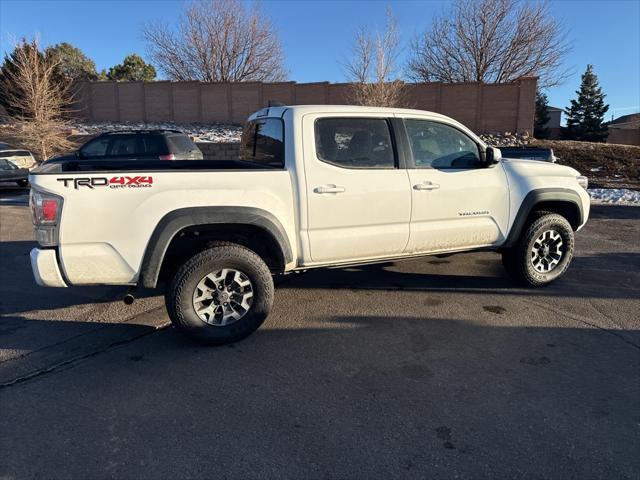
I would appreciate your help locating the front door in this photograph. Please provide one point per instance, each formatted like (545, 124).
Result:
(358, 200)
(458, 202)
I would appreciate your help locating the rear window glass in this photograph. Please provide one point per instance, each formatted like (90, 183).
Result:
(154, 145)
(263, 142)
(180, 144)
(7, 165)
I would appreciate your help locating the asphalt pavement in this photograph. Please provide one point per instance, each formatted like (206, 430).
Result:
(429, 368)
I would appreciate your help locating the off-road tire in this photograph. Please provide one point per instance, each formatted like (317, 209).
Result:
(517, 259)
(179, 294)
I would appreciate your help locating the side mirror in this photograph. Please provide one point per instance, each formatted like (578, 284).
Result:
(492, 155)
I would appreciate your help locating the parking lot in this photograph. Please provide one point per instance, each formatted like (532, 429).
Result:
(433, 368)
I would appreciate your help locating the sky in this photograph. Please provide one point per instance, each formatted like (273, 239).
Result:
(316, 34)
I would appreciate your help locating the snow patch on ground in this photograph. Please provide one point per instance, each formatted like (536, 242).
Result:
(217, 133)
(619, 196)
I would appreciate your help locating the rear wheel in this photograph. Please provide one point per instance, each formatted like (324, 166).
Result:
(543, 252)
(220, 295)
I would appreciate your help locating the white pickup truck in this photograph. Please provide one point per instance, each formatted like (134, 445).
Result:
(315, 186)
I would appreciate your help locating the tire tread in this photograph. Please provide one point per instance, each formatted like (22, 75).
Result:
(516, 259)
(218, 252)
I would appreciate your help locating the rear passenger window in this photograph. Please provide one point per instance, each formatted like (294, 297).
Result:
(263, 142)
(95, 148)
(354, 142)
(154, 145)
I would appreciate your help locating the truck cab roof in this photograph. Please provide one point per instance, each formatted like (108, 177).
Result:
(303, 109)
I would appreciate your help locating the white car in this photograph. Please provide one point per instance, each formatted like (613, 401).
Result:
(315, 186)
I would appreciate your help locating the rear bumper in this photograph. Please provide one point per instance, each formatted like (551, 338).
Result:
(45, 268)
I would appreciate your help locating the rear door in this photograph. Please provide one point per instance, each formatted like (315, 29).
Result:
(358, 197)
(458, 201)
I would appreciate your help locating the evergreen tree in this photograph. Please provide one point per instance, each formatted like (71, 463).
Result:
(585, 116)
(132, 69)
(73, 64)
(542, 115)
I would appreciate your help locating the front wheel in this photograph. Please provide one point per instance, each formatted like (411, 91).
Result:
(543, 252)
(220, 295)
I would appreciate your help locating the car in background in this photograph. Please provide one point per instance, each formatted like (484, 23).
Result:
(136, 145)
(20, 158)
(10, 172)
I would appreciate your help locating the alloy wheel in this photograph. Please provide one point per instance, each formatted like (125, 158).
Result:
(547, 251)
(223, 297)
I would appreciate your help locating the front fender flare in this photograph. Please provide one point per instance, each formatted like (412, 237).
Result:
(536, 197)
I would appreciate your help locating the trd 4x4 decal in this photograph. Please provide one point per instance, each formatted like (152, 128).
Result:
(113, 182)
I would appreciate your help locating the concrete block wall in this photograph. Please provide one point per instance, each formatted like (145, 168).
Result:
(624, 136)
(507, 107)
(219, 151)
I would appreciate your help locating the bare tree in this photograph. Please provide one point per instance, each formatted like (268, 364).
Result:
(491, 41)
(372, 67)
(37, 100)
(218, 41)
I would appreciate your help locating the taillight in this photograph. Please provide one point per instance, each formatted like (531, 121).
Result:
(171, 156)
(46, 209)
(50, 210)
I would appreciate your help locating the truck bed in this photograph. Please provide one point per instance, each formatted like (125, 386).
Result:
(111, 209)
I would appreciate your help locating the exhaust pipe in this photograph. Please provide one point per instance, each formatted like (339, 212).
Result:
(128, 299)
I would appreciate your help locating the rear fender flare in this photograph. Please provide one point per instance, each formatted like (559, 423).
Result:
(177, 220)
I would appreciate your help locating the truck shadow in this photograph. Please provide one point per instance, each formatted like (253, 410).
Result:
(606, 275)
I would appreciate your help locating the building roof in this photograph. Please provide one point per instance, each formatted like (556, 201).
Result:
(555, 109)
(624, 120)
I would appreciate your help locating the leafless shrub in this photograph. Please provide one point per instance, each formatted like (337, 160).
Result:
(491, 41)
(218, 41)
(372, 67)
(37, 100)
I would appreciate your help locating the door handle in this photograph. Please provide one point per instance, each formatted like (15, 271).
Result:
(329, 189)
(426, 186)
